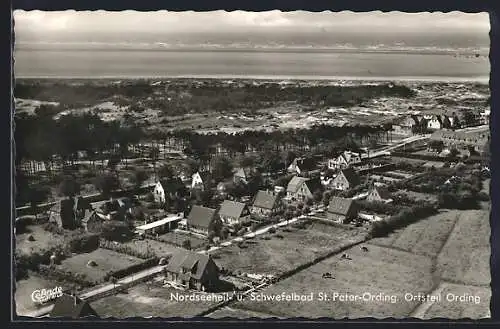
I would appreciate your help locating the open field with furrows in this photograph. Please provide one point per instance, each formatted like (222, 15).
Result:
(475, 303)
(465, 258)
(425, 237)
(236, 313)
(106, 260)
(380, 270)
(160, 249)
(44, 240)
(272, 254)
(149, 300)
(25, 288)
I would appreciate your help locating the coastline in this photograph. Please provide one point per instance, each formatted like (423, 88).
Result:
(438, 79)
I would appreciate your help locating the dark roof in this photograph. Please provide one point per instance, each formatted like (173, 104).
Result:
(314, 184)
(340, 206)
(71, 307)
(80, 203)
(351, 176)
(201, 216)
(172, 185)
(232, 208)
(265, 200)
(195, 263)
(383, 192)
(295, 183)
(206, 176)
(305, 164)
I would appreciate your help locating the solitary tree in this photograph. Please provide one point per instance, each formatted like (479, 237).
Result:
(69, 187)
(38, 194)
(138, 178)
(106, 183)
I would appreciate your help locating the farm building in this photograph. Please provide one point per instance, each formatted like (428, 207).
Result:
(378, 194)
(301, 189)
(200, 219)
(345, 180)
(193, 270)
(160, 226)
(71, 307)
(232, 212)
(342, 210)
(302, 166)
(168, 187)
(267, 204)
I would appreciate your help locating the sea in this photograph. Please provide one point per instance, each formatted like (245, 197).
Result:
(323, 64)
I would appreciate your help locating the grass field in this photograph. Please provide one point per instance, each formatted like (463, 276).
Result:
(24, 289)
(159, 248)
(379, 271)
(43, 240)
(278, 255)
(141, 301)
(478, 306)
(178, 238)
(425, 237)
(107, 260)
(465, 258)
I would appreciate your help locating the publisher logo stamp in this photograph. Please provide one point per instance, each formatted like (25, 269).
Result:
(45, 295)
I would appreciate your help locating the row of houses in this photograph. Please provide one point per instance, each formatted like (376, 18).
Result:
(420, 123)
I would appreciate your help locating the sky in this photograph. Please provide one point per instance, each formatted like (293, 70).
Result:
(38, 23)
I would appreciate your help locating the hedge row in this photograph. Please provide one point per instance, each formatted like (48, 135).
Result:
(132, 269)
(61, 275)
(127, 250)
(402, 219)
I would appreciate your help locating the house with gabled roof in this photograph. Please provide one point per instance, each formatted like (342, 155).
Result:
(344, 160)
(73, 307)
(302, 165)
(345, 180)
(243, 175)
(193, 270)
(232, 212)
(173, 187)
(92, 222)
(406, 125)
(342, 210)
(435, 123)
(301, 188)
(200, 219)
(201, 180)
(378, 194)
(267, 203)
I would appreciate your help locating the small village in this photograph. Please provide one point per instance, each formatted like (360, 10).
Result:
(233, 226)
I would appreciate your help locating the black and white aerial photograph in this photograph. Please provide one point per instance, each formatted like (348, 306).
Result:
(237, 165)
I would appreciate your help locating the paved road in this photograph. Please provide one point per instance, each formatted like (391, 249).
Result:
(399, 144)
(103, 289)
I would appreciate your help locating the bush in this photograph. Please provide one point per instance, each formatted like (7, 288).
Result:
(53, 228)
(84, 243)
(272, 230)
